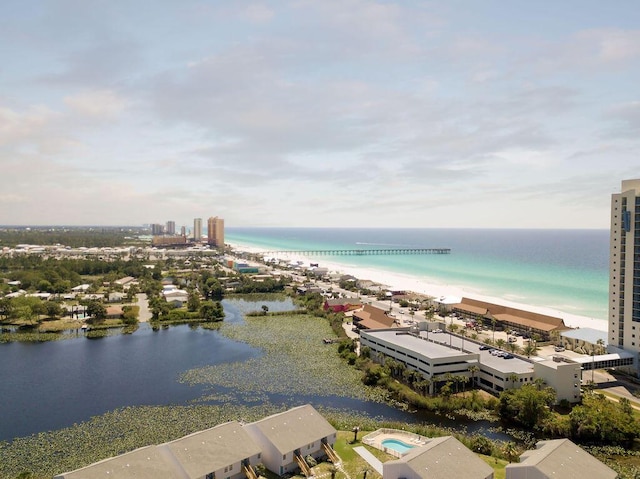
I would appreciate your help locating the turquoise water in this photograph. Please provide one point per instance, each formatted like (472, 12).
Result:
(396, 445)
(566, 270)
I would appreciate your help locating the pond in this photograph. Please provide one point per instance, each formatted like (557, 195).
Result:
(52, 385)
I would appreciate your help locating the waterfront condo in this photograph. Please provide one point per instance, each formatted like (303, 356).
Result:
(624, 269)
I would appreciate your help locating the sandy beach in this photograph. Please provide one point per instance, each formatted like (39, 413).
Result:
(399, 281)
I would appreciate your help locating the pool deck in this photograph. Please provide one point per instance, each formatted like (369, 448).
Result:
(375, 439)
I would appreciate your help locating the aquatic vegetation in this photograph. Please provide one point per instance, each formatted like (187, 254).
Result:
(295, 360)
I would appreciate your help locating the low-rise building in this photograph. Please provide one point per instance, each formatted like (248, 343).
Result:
(440, 458)
(288, 437)
(371, 317)
(224, 451)
(558, 459)
(339, 305)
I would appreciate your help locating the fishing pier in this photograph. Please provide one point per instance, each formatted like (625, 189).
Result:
(362, 252)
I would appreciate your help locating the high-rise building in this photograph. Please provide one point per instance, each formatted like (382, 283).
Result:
(157, 229)
(197, 229)
(183, 231)
(171, 228)
(624, 268)
(215, 232)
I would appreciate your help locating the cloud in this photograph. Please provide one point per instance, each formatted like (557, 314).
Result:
(96, 104)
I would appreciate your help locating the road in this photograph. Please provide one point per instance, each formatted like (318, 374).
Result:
(145, 314)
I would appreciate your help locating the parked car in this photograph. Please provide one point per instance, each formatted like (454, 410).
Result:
(559, 349)
(485, 347)
(507, 356)
(512, 339)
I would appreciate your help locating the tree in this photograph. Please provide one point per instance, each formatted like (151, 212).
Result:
(193, 300)
(527, 406)
(211, 311)
(355, 430)
(96, 310)
(265, 309)
(473, 370)
(511, 451)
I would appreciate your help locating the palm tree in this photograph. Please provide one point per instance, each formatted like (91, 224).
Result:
(600, 343)
(473, 370)
(500, 343)
(355, 430)
(493, 326)
(513, 378)
(463, 333)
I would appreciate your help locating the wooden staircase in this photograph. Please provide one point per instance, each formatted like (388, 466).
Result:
(249, 472)
(331, 454)
(303, 465)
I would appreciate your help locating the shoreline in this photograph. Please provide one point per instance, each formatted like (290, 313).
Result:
(414, 284)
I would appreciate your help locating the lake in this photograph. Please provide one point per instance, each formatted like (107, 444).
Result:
(52, 385)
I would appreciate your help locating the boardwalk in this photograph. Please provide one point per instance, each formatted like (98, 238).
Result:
(362, 252)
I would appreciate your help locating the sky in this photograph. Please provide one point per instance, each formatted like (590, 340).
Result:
(345, 113)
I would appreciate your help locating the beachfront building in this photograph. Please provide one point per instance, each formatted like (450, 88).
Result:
(439, 458)
(505, 317)
(289, 437)
(624, 269)
(215, 232)
(558, 459)
(197, 229)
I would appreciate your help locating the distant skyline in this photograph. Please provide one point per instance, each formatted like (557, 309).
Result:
(346, 113)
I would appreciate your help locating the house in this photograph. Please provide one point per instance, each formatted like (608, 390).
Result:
(440, 458)
(340, 305)
(80, 288)
(558, 459)
(289, 437)
(114, 312)
(124, 281)
(371, 317)
(177, 297)
(115, 297)
(224, 451)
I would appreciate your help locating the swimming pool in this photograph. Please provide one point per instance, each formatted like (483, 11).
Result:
(397, 445)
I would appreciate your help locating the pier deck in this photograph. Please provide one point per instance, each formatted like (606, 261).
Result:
(363, 252)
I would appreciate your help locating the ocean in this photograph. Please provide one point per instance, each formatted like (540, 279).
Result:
(565, 270)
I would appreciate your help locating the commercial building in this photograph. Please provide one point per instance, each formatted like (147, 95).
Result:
(197, 229)
(439, 355)
(624, 270)
(505, 317)
(215, 232)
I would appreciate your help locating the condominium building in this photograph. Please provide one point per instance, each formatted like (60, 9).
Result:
(624, 269)
(215, 232)
(171, 228)
(157, 229)
(197, 229)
